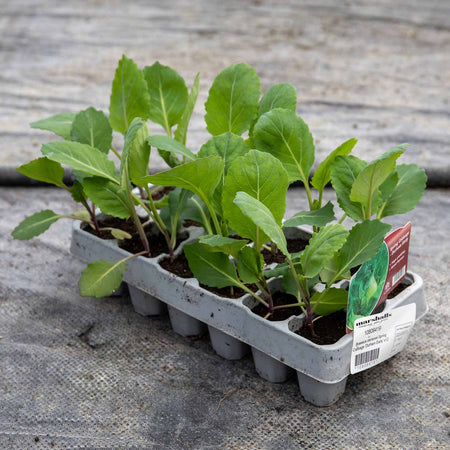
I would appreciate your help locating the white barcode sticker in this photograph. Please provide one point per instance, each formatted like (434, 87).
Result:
(398, 275)
(378, 337)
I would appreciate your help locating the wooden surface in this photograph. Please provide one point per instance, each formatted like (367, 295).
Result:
(377, 71)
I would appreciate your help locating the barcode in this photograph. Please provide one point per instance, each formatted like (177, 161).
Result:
(398, 275)
(366, 357)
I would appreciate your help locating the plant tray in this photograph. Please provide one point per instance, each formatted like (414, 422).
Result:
(234, 330)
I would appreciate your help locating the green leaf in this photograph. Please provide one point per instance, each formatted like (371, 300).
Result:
(411, 185)
(60, 124)
(344, 171)
(316, 217)
(281, 95)
(387, 187)
(168, 95)
(261, 176)
(217, 243)
(284, 135)
(371, 177)
(101, 278)
(200, 176)
(120, 234)
(92, 127)
(279, 270)
(333, 300)
(321, 248)
(233, 100)
(250, 263)
(136, 150)
(323, 173)
(81, 157)
(35, 224)
(77, 192)
(330, 269)
(80, 176)
(42, 169)
(108, 196)
(263, 218)
(228, 146)
(363, 243)
(169, 144)
(212, 269)
(181, 131)
(129, 96)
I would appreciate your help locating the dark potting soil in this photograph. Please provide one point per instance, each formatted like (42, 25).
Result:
(126, 225)
(399, 288)
(156, 242)
(353, 270)
(329, 329)
(190, 223)
(179, 266)
(160, 193)
(279, 298)
(293, 245)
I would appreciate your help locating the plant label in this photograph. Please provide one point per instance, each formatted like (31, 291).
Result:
(378, 337)
(376, 278)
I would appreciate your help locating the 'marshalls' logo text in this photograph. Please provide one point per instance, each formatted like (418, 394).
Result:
(373, 319)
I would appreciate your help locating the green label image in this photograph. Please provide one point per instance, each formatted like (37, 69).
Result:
(366, 286)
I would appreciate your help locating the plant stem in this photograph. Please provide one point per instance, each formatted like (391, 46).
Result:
(249, 291)
(94, 218)
(369, 203)
(205, 219)
(135, 255)
(310, 323)
(320, 198)
(380, 210)
(68, 216)
(136, 219)
(92, 214)
(160, 224)
(273, 248)
(116, 152)
(294, 273)
(212, 214)
(291, 305)
(342, 218)
(308, 194)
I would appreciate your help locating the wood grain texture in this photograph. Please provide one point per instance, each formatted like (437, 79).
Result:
(377, 71)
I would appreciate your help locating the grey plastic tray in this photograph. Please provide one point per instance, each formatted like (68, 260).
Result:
(322, 370)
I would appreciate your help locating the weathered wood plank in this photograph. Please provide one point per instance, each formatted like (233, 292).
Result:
(377, 71)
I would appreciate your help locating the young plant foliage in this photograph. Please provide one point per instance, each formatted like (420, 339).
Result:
(129, 96)
(286, 136)
(233, 100)
(92, 127)
(60, 124)
(35, 224)
(43, 169)
(262, 177)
